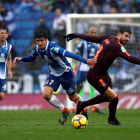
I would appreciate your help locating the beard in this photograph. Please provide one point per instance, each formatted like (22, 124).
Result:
(123, 42)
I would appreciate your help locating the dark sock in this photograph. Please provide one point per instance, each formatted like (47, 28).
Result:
(96, 100)
(113, 107)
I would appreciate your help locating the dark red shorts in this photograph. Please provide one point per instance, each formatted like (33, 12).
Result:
(100, 81)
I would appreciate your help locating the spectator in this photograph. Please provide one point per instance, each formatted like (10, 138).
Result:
(126, 7)
(59, 25)
(44, 27)
(108, 4)
(91, 7)
(76, 7)
(81, 27)
(7, 17)
(137, 6)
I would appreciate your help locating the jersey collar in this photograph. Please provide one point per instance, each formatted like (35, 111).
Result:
(47, 45)
(5, 45)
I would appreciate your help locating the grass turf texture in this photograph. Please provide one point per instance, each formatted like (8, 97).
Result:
(43, 125)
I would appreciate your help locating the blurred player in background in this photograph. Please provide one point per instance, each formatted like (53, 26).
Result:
(61, 71)
(87, 50)
(111, 47)
(5, 59)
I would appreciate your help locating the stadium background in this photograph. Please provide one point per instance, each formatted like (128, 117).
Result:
(24, 90)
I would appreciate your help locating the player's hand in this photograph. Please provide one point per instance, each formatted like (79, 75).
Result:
(17, 59)
(68, 37)
(10, 74)
(91, 62)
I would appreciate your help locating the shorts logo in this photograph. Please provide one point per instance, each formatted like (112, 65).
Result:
(70, 90)
(4, 87)
(102, 83)
(47, 82)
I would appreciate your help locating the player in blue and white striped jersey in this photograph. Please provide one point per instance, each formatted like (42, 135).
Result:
(61, 71)
(87, 50)
(5, 60)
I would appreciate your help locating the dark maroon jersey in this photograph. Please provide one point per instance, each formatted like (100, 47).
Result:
(109, 50)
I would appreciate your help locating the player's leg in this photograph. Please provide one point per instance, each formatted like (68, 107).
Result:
(68, 83)
(79, 86)
(2, 88)
(52, 84)
(112, 96)
(93, 93)
(2, 94)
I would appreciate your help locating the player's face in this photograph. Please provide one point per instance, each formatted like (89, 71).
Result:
(3, 35)
(124, 37)
(93, 32)
(41, 42)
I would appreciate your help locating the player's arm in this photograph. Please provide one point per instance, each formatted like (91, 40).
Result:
(9, 65)
(121, 52)
(96, 39)
(29, 58)
(60, 51)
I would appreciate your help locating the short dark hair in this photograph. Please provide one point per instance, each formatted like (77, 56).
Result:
(3, 28)
(125, 29)
(41, 33)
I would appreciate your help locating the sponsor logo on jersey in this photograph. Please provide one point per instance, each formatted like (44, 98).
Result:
(123, 49)
(2, 57)
(47, 59)
(70, 90)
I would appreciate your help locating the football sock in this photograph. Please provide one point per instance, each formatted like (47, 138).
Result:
(96, 100)
(113, 107)
(56, 102)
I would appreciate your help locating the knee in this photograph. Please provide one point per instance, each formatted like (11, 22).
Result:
(115, 100)
(2, 95)
(46, 95)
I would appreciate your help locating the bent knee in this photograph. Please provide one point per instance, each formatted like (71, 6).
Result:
(46, 96)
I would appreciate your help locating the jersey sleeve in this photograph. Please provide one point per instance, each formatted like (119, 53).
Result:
(121, 52)
(57, 50)
(62, 52)
(80, 47)
(91, 38)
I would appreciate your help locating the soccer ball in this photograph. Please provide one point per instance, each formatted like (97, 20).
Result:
(79, 121)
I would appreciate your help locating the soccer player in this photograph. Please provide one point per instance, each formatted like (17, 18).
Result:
(87, 50)
(5, 59)
(111, 47)
(61, 71)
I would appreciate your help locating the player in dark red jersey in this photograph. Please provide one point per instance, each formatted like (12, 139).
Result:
(111, 47)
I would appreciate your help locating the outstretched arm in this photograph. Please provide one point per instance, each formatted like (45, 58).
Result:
(90, 62)
(96, 39)
(29, 58)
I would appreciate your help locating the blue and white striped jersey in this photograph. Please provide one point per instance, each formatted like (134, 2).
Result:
(54, 56)
(4, 52)
(87, 50)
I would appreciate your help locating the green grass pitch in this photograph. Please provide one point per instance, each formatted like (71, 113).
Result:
(43, 125)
